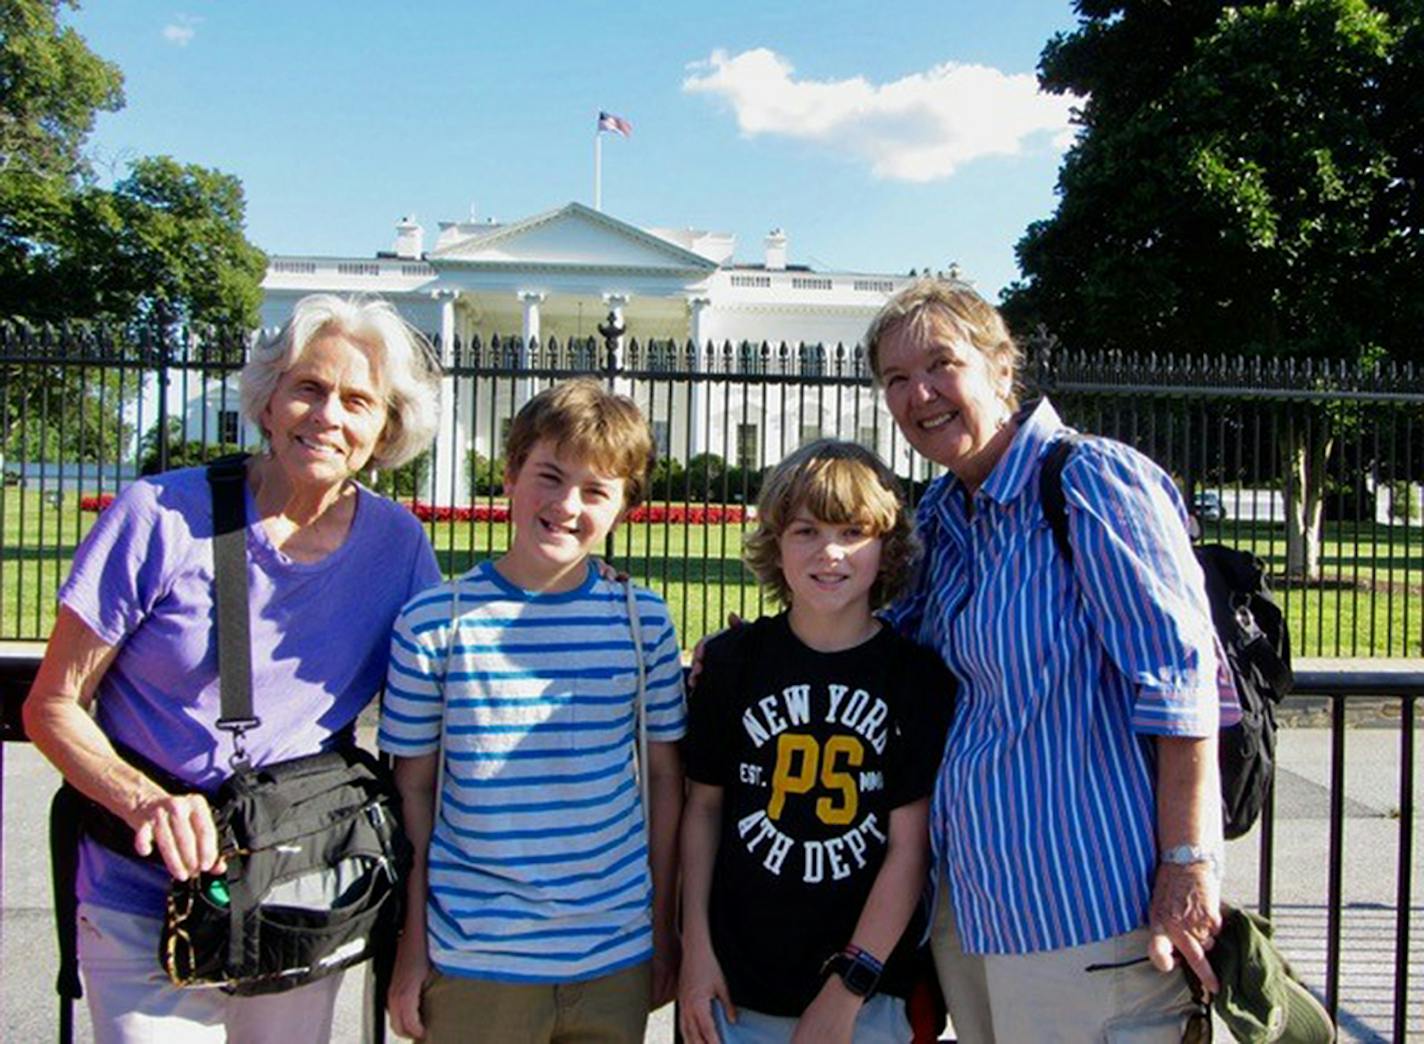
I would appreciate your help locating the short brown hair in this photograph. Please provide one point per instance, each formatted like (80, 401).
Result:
(583, 417)
(836, 482)
(922, 303)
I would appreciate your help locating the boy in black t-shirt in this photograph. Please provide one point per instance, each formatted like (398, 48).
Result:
(813, 742)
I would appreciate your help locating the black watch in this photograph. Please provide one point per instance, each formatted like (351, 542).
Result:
(859, 971)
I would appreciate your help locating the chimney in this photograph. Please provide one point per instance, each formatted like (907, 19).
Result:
(776, 250)
(410, 238)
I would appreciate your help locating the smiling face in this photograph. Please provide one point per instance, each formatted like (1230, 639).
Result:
(562, 507)
(326, 415)
(829, 567)
(946, 397)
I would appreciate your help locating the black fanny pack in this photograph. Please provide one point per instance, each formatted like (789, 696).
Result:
(315, 877)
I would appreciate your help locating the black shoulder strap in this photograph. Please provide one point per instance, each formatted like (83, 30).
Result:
(1050, 490)
(228, 478)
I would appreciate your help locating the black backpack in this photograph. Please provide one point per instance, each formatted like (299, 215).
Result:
(1252, 630)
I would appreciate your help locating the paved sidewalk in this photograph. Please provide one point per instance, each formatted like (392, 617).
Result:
(27, 952)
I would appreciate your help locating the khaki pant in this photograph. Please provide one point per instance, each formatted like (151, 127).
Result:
(1099, 993)
(612, 1009)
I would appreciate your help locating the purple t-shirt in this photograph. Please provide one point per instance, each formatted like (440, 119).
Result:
(143, 581)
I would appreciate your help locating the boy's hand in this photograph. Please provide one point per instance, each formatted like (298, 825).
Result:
(667, 958)
(608, 572)
(830, 1017)
(407, 981)
(733, 620)
(699, 984)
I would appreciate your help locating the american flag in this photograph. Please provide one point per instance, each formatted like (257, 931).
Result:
(617, 124)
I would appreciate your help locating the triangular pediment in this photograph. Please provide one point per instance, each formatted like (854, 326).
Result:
(574, 236)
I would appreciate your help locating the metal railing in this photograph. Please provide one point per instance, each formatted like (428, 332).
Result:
(1248, 441)
(1353, 1004)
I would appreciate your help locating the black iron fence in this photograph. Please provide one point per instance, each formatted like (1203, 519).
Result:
(1316, 467)
(1333, 856)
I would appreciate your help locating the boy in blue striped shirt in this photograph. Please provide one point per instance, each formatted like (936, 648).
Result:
(542, 895)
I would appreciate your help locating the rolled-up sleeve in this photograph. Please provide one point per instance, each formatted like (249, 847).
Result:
(1143, 587)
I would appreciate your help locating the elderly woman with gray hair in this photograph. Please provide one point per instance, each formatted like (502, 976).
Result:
(132, 660)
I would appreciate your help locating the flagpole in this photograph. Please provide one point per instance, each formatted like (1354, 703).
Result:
(598, 170)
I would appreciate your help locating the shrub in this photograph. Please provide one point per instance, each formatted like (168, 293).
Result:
(486, 476)
(404, 482)
(182, 453)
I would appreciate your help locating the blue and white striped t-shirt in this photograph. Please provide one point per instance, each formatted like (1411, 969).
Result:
(1043, 818)
(539, 857)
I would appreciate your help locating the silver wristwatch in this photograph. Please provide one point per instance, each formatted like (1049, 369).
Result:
(1188, 855)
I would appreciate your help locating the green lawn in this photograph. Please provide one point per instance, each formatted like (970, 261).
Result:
(1370, 601)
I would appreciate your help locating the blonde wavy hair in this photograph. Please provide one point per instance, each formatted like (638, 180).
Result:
(922, 305)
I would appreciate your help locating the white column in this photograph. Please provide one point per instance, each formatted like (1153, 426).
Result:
(451, 484)
(697, 397)
(615, 304)
(531, 299)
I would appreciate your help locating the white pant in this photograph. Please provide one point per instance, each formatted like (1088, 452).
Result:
(131, 1000)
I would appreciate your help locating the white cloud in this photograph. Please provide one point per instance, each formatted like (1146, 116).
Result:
(919, 128)
(181, 30)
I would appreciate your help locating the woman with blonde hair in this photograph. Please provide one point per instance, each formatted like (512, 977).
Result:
(1076, 824)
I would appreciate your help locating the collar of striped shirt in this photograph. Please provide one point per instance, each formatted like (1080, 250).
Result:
(1038, 424)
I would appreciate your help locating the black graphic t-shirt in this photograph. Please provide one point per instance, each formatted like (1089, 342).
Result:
(813, 751)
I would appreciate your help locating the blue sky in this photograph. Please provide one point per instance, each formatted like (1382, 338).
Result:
(880, 136)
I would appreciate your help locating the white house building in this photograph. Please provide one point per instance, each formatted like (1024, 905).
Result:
(559, 274)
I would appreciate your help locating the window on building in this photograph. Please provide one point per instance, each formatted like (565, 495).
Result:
(662, 437)
(229, 426)
(747, 446)
(809, 433)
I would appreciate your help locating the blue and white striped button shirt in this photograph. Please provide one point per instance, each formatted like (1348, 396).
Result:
(1043, 817)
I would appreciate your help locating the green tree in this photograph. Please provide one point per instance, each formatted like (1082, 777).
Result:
(1246, 179)
(51, 88)
(162, 248)
(166, 243)
(180, 244)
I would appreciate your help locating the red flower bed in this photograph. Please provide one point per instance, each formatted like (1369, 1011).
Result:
(656, 514)
(677, 514)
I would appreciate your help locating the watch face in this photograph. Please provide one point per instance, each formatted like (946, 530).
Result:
(859, 979)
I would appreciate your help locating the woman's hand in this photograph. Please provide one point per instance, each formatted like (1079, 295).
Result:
(700, 983)
(407, 983)
(830, 1017)
(733, 620)
(1185, 916)
(181, 828)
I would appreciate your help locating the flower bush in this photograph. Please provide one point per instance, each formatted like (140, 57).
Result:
(656, 514)
(673, 514)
